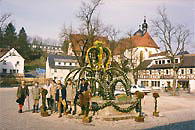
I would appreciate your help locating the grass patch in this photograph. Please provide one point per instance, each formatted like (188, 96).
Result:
(123, 97)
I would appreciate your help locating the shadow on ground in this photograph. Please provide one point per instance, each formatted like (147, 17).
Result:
(187, 125)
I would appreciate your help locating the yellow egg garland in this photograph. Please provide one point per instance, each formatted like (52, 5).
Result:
(99, 51)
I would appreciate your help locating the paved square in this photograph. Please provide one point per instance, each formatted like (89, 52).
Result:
(172, 109)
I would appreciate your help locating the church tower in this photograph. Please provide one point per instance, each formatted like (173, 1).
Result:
(144, 26)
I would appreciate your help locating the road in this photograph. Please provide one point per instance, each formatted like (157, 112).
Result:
(174, 111)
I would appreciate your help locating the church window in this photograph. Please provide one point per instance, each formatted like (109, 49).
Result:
(150, 53)
(141, 56)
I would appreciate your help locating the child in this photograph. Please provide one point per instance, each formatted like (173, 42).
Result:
(36, 96)
(22, 93)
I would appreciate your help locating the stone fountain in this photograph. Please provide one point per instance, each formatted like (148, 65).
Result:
(103, 81)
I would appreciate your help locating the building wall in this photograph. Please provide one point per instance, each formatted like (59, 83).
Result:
(58, 74)
(135, 54)
(192, 85)
(139, 52)
(48, 49)
(12, 62)
(184, 74)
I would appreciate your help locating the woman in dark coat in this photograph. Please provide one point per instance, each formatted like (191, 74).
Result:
(22, 93)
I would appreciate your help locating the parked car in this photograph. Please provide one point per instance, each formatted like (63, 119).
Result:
(140, 88)
(156, 88)
(29, 75)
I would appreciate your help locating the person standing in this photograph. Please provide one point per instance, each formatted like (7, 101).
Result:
(61, 97)
(22, 94)
(36, 96)
(70, 94)
(84, 96)
(47, 86)
(53, 96)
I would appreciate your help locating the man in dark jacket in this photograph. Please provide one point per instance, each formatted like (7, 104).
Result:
(61, 97)
(84, 97)
(22, 93)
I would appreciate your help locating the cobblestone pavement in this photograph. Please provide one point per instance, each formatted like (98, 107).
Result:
(172, 110)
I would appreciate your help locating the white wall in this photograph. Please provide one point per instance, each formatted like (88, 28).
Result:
(192, 86)
(11, 62)
(136, 53)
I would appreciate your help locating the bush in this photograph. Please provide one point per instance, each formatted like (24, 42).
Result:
(38, 63)
(9, 81)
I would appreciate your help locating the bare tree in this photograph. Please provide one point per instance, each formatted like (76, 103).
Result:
(173, 37)
(129, 63)
(3, 19)
(112, 34)
(90, 28)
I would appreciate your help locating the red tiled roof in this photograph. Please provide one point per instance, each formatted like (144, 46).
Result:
(144, 41)
(135, 41)
(77, 40)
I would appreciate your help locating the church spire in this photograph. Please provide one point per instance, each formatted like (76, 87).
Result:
(144, 26)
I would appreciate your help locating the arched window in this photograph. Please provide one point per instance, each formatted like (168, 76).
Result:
(150, 53)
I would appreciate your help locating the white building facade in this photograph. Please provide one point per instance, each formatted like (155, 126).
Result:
(58, 67)
(11, 62)
(49, 48)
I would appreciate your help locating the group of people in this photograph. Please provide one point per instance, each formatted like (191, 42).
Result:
(60, 98)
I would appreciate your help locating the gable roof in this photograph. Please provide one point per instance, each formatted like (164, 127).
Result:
(53, 58)
(144, 64)
(136, 41)
(143, 41)
(12, 52)
(189, 62)
(77, 40)
(3, 51)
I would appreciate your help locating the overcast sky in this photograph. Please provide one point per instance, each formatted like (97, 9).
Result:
(46, 18)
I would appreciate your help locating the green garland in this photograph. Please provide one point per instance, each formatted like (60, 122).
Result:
(124, 110)
(117, 108)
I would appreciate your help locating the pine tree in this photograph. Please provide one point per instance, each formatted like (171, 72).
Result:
(10, 38)
(2, 45)
(23, 48)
